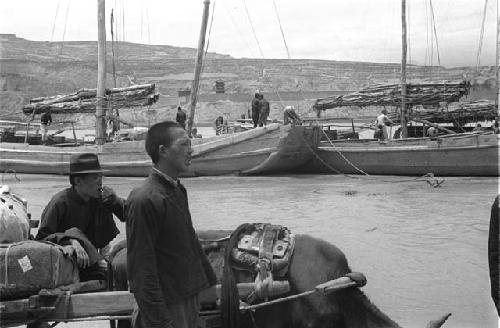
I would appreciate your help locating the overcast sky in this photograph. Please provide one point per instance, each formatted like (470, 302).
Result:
(357, 30)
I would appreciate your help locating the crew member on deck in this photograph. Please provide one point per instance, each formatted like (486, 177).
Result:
(381, 124)
(181, 117)
(46, 121)
(290, 116)
(256, 109)
(264, 110)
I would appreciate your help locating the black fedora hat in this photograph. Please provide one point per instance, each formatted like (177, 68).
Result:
(84, 163)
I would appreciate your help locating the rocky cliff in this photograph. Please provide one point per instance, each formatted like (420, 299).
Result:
(31, 69)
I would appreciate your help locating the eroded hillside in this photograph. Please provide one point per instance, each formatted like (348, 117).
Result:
(32, 69)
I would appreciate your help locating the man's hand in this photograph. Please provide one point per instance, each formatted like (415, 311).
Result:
(82, 258)
(68, 250)
(108, 195)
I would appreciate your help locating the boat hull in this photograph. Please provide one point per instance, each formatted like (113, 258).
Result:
(468, 155)
(272, 149)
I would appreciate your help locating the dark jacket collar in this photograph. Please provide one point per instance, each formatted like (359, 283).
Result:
(164, 178)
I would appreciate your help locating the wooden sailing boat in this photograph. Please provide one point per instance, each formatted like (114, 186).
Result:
(271, 149)
(463, 154)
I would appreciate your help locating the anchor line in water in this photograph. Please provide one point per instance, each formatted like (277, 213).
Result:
(431, 180)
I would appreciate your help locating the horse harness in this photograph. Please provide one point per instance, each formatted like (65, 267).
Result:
(264, 250)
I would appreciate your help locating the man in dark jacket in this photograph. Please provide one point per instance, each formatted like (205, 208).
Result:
(81, 216)
(255, 109)
(181, 117)
(264, 110)
(166, 265)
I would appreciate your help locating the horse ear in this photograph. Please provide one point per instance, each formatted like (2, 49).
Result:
(439, 322)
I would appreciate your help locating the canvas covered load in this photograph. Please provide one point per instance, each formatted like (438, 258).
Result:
(14, 219)
(29, 266)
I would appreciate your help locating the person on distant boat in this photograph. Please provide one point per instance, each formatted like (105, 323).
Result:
(264, 110)
(496, 126)
(166, 265)
(195, 134)
(219, 121)
(113, 125)
(256, 109)
(432, 132)
(181, 117)
(478, 127)
(46, 121)
(290, 116)
(381, 124)
(494, 254)
(81, 217)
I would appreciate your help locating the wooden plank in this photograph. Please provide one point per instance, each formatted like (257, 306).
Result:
(99, 304)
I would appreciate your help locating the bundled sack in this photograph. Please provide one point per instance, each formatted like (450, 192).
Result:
(14, 220)
(29, 266)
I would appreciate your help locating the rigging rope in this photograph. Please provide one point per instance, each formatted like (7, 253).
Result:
(253, 30)
(65, 24)
(242, 37)
(435, 32)
(208, 37)
(54, 24)
(147, 22)
(123, 20)
(481, 34)
(281, 29)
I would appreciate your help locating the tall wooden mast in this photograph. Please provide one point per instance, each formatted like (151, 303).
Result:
(404, 132)
(498, 62)
(197, 70)
(100, 111)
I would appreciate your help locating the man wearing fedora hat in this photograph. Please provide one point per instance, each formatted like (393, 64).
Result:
(81, 216)
(166, 266)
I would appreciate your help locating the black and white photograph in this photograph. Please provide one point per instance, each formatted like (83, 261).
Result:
(249, 164)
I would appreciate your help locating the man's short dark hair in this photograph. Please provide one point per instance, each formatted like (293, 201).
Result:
(159, 134)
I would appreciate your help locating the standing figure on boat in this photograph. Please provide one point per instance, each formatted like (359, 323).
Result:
(496, 126)
(46, 121)
(256, 109)
(478, 127)
(219, 121)
(290, 116)
(494, 254)
(81, 217)
(166, 266)
(432, 132)
(113, 125)
(195, 134)
(381, 124)
(264, 110)
(181, 117)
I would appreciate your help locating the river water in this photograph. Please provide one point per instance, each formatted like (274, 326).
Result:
(422, 249)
